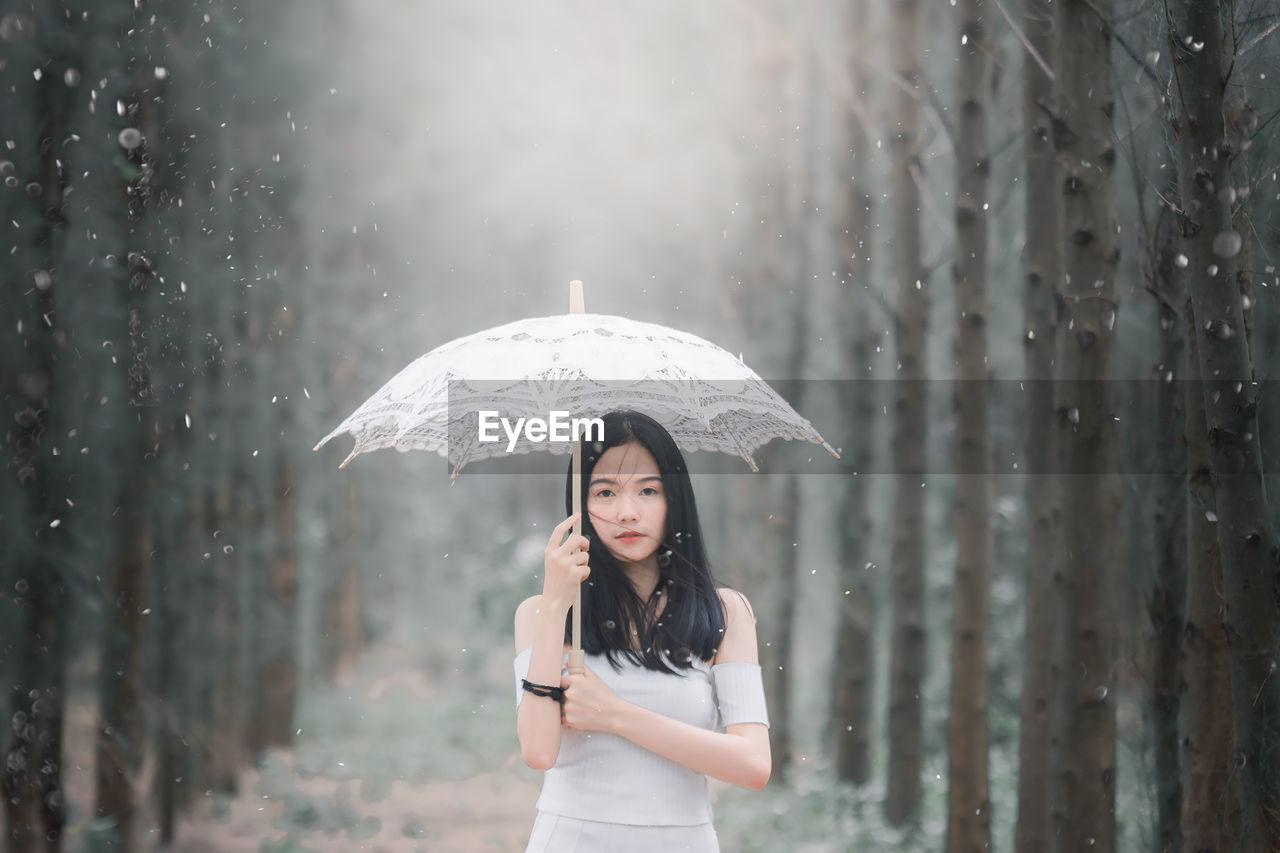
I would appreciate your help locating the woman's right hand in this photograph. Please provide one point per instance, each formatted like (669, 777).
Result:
(564, 564)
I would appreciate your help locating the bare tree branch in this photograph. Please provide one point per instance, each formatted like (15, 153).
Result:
(1259, 37)
(1115, 36)
(1017, 31)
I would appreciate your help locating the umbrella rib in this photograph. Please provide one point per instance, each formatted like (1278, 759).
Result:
(742, 451)
(462, 460)
(355, 451)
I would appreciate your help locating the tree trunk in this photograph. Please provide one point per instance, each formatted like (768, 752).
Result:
(257, 618)
(32, 780)
(266, 579)
(757, 566)
(1042, 264)
(118, 753)
(284, 306)
(177, 623)
(968, 821)
(278, 683)
(1168, 542)
(343, 636)
(275, 593)
(185, 739)
(119, 744)
(227, 736)
(906, 668)
(1246, 538)
(1210, 806)
(34, 508)
(851, 712)
(851, 705)
(200, 688)
(787, 522)
(166, 735)
(218, 695)
(1084, 790)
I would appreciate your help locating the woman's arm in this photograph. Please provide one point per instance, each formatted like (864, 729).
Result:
(539, 624)
(739, 755)
(538, 717)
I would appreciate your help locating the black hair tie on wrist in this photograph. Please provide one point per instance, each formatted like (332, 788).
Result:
(556, 693)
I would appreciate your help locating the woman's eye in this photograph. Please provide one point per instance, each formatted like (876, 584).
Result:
(650, 490)
(604, 493)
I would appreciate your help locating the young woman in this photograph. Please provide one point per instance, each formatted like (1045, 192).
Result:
(627, 745)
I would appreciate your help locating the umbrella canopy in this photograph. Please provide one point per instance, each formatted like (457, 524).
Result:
(586, 364)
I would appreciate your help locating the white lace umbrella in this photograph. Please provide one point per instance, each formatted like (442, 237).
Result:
(584, 364)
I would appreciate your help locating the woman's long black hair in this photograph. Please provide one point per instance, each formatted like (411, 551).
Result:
(692, 620)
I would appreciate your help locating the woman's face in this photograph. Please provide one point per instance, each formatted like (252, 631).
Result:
(627, 504)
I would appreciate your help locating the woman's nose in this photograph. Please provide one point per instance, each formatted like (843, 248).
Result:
(627, 509)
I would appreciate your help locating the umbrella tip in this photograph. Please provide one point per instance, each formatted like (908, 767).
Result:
(576, 303)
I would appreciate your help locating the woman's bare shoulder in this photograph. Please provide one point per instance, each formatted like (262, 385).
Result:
(529, 606)
(526, 614)
(739, 643)
(735, 604)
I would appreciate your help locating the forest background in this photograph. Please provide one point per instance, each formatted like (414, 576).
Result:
(1016, 261)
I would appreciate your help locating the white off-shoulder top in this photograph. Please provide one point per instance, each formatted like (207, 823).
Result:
(604, 777)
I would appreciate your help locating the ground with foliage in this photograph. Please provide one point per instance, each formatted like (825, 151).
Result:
(395, 758)
(409, 756)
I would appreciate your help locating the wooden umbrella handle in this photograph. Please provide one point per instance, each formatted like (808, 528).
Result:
(576, 655)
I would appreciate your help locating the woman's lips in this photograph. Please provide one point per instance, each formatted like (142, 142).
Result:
(629, 536)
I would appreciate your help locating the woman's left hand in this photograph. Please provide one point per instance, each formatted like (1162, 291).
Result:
(589, 705)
